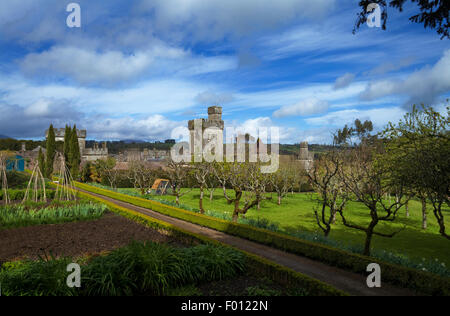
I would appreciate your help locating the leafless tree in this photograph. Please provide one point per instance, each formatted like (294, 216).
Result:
(142, 175)
(178, 173)
(202, 171)
(247, 183)
(282, 182)
(332, 198)
(106, 169)
(368, 179)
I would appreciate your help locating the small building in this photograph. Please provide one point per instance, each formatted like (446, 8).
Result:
(15, 164)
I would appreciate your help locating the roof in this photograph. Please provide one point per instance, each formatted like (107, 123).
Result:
(158, 182)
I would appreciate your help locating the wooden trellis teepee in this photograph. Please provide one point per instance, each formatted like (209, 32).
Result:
(64, 190)
(36, 183)
(3, 178)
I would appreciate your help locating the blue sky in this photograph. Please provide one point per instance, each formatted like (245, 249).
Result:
(140, 69)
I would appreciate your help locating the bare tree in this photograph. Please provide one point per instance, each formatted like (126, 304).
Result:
(246, 182)
(201, 173)
(178, 173)
(105, 169)
(142, 175)
(223, 174)
(368, 179)
(282, 182)
(332, 198)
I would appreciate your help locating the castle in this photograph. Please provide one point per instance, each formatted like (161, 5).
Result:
(305, 159)
(87, 154)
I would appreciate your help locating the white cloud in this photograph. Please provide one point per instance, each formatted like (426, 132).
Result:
(344, 81)
(215, 19)
(149, 97)
(88, 66)
(212, 98)
(422, 86)
(152, 127)
(380, 117)
(303, 108)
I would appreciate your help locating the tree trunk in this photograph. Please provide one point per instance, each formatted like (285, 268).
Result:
(235, 216)
(369, 236)
(211, 195)
(202, 211)
(407, 209)
(178, 200)
(424, 214)
(333, 220)
(279, 199)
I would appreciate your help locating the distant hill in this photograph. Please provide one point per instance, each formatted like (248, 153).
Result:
(4, 137)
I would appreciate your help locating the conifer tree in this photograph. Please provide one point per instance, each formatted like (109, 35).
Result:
(51, 151)
(41, 160)
(75, 156)
(67, 144)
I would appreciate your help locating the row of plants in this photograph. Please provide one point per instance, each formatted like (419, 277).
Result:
(295, 282)
(20, 215)
(421, 281)
(19, 194)
(138, 269)
(433, 266)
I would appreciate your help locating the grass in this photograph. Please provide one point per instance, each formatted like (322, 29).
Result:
(36, 214)
(413, 247)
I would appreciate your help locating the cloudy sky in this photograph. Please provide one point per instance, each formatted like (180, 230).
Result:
(140, 69)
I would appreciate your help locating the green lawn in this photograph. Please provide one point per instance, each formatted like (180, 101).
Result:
(296, 213)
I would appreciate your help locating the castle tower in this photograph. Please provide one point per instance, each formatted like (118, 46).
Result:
(305, 158)
(304, 151)
(214, 121)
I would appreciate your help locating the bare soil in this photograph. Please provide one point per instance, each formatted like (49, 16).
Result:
(76, 239)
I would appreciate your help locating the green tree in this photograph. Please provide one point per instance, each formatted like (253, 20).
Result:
(41, 160)
(419, 146)
(67, 144)
(75, 156)
(51, 151)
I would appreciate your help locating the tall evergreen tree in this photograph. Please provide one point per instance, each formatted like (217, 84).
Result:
(67, 144)
(41, 160)
(75, 153)
(51, 151)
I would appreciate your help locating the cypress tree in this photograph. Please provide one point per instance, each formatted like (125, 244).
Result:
(75, 153)
(67, 144)
(41, 161)
(51, 151)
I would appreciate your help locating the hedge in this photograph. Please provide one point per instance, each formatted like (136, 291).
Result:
(421, 281)
(256, 264)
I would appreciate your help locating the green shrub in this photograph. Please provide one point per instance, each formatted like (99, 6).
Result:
(45, 277)
(18, 195)
(17, 180)
(19, 216)
(140, 268)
